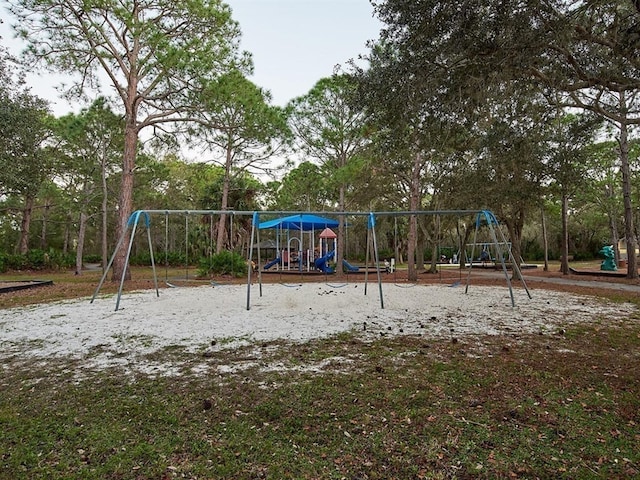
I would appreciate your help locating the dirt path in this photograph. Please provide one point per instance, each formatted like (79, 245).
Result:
(596, 282)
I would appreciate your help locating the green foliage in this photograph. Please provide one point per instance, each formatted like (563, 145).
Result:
(223, 263)
(243, 194)
(533, 251)
(171, 259)
(92, 258)
(25, 163)
(241, 123)
(36, 259)
(305, 187)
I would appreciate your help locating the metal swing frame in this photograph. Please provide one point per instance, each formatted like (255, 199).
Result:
(136, 216)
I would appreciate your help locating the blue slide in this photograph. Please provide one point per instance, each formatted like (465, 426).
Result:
(349, 267)
(271, 263)
(321, 263)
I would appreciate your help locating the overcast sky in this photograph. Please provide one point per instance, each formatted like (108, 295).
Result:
(294, 43)
(297, 42)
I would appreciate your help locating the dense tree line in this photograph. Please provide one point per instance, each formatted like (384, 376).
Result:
(525, 108)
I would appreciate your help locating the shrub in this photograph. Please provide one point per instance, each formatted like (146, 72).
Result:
(223, 263)
(55, 260)
(92, 258)
(141, 259)
(172, 259)
(37, 259)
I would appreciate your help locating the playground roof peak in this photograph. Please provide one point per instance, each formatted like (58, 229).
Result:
(328, 233)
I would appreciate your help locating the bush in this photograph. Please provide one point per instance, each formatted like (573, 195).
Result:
(16, 262)
(172, 259)
(55, 260)
(223, 263)
(141, 259)
(36, 259)
(92, 258)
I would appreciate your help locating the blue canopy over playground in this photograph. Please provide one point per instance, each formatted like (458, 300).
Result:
(301, 222)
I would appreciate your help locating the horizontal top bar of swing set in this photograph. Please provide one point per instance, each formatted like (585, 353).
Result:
(306, 212)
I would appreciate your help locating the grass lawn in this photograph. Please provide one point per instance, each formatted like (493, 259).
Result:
(561, 405)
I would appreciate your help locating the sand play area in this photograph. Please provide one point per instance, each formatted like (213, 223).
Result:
(198, 319)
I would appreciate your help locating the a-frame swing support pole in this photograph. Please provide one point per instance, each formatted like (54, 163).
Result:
(492, 223)
(512, 259)
(258, 249)
(372, 227)
(367, 258)
(133, 223)
(255, 221)
(491, 220)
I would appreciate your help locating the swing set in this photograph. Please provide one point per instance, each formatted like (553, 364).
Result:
(483, 217)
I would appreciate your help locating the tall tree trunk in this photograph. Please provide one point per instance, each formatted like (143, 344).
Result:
(82, 230)
(632, 265)
(545, 240)
(104, 243)
(125, 201)
(414, 204)
(469, 228)
(45, 219)
(435, 256)
(564, 261)
(412, 274)
(224, 201)
(23, 245)
(435, 242)
(221, 230)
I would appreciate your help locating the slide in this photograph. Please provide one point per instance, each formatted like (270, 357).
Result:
(272, 263)
(349, 267)
(321, 263)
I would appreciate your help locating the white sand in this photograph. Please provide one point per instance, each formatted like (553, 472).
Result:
(196, 318)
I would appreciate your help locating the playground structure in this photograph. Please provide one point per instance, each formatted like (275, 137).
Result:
(296, 242)
(483, 217)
